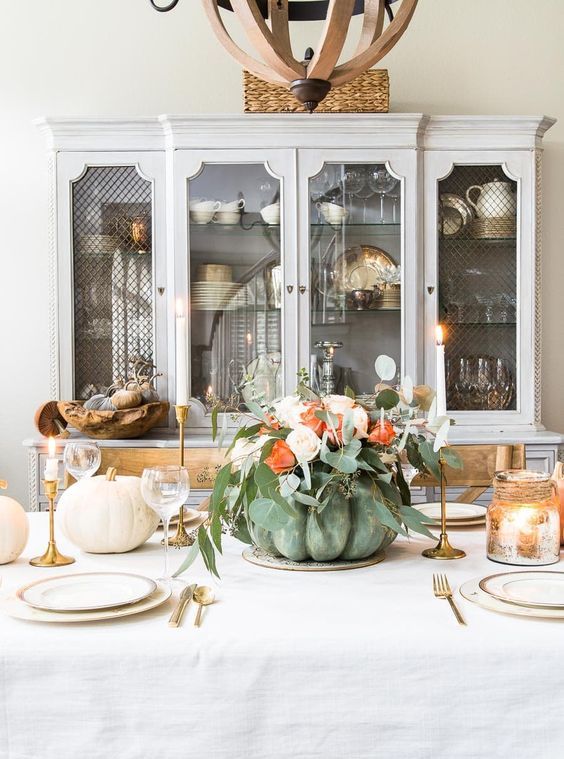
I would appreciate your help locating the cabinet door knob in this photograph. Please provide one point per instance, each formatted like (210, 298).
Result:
(431, 289)
(290, 288)
(160, 290)
(302, 289)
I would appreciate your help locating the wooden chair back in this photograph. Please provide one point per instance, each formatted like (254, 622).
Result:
(479, 464)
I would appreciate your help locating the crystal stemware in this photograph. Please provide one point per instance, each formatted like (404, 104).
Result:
(165, 489)
(381, 182)
(82, 459)
(352, 181)
(321, 184)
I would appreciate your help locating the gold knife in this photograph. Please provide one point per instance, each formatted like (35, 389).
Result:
(183, 601)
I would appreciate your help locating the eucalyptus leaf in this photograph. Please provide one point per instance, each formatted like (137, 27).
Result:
(306, 393)
(306, 499)
(347, 431)
(350, 393)
(214, 413)
(451, 458)
(430, 458)
(268, 514)
(241, 531)
(387, 399)
(190, 558)
(415, 521)
(221, 482)
(442, 435)
(385, 367)
(407, 389)
(288, 484)
(223, 431)
(387, 518)
(307, 473)
(403, 487)
(371, 457)
(207, 551)
(215, 532)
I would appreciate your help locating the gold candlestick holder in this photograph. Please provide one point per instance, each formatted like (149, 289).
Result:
(51, 557)
(181, 537)
(443, 549)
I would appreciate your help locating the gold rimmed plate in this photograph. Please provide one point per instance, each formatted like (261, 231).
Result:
(358, 267)
(532, 588)
(86, 591)
(457, 513)
(471, 591)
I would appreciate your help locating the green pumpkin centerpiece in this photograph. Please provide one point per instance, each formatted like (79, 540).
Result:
(321, 478)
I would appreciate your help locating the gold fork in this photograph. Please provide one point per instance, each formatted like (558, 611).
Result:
(441, 589)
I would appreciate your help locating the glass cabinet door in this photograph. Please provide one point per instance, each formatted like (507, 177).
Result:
(112, 271)
(355, 245)
(235, 275)
(477, 286)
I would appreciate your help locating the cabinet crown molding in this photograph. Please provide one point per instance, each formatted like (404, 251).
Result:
(386, 130)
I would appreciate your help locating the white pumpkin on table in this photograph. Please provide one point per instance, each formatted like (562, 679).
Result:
(14, 527)
(106, 514)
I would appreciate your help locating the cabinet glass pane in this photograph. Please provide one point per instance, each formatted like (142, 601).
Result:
(478, 287)
(235, 284)
(112, 270)
(355, 255)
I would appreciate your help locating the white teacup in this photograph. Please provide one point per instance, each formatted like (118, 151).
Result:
(205, 206)
(271, 214)
(232, 205)
(332, 212)
(227, 217)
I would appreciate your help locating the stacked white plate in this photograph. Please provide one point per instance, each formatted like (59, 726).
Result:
(531, 593)
(458, 514)
(86, 597)
(213, 296)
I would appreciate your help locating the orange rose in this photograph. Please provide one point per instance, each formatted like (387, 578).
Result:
(338, 429)
(273, 424)
(382, 433)
(310, 420)
(281, 458)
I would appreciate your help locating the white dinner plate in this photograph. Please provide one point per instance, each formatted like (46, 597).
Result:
(534, 588)
(471, 591)
(456, 512)
(86, 591)
(192, 519)
(20, 610)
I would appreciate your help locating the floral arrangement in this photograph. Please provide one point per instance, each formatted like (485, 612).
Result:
(323, 477)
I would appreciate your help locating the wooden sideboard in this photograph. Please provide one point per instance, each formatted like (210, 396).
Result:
(203, 458)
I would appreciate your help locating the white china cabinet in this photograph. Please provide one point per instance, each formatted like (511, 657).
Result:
(302, 242)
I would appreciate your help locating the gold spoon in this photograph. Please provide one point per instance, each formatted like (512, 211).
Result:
(203, 596)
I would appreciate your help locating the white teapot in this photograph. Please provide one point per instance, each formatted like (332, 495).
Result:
(495, 199)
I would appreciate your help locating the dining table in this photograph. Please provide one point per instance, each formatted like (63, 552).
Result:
(357, 664)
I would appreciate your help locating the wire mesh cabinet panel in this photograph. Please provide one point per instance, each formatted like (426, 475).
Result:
(112, 272)
(480, 273)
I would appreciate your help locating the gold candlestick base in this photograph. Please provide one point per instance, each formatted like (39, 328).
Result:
(443, 549)
(181, 538)
(51, 557)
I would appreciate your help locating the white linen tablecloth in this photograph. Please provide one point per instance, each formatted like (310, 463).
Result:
(330, 665)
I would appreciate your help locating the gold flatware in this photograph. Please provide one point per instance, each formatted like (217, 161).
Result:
(183, 601)
(441, 589)
(203, 596)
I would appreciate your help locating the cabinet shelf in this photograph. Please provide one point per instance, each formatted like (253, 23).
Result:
(475, 242)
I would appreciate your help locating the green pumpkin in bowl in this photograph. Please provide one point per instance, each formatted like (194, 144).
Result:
(347, 529)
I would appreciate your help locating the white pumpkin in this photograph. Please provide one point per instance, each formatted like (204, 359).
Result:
(14, 527)
(106, 514)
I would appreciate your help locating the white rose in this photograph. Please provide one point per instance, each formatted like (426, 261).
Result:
(243, 448)
(304, 443)
(289, 410)
(360, 420)
(338, 404)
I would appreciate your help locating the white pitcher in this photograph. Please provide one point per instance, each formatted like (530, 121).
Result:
(495, 200)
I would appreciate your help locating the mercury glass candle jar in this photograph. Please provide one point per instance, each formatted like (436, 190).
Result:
(523, 519)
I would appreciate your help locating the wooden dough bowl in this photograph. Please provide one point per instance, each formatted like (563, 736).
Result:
(114, 425)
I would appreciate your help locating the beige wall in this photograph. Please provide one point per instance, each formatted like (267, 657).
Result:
(119, 57)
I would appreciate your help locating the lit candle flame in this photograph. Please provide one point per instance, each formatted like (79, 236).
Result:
(249, 338)
(439, 334)
(331, 351)
(52, 447)
(210, 390)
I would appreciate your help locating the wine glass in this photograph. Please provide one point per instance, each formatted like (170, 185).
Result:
(352, 182)
(165, 489)
(382, 182)
(82, 459)
(320, 185)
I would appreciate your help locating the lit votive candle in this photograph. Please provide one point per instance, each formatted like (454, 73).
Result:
(523, 519)
(52, 464)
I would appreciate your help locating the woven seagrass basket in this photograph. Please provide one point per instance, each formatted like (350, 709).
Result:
(368, 93)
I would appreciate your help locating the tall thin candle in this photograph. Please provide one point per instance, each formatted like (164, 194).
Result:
(52, 463)
(181, 362)
(440, 373)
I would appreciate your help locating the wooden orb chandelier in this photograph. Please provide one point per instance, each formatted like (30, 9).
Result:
(267, 26)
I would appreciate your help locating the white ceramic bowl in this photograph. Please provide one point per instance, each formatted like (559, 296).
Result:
(201, 217)
(227, 217)
(271, 213)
